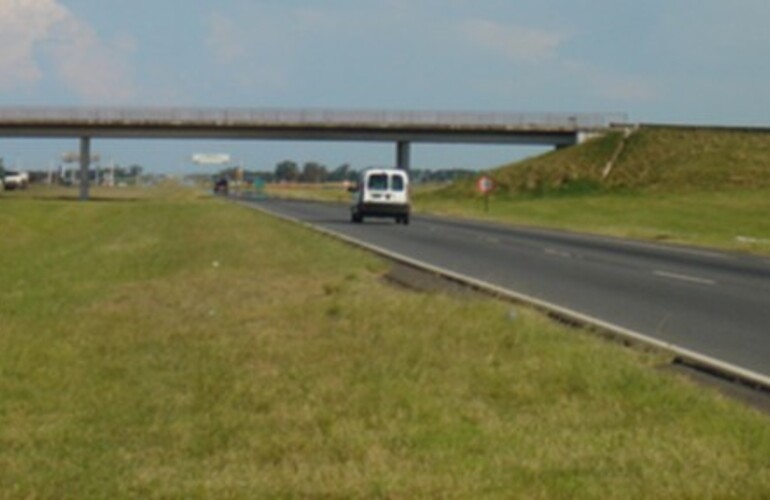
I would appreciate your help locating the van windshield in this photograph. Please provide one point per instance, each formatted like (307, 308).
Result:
(378, 182)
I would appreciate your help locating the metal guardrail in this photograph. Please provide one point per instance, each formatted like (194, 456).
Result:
(316, 117)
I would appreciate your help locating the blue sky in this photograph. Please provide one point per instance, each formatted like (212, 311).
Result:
(680, 61)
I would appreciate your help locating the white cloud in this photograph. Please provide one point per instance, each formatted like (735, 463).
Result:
(24, 23)
(314, 20)
(97, 71)
(259, 31)
(254, 54)
(32, 30)
(258, 45)
(613, 86)
(517, 43)
(224, 40)
(628, 89)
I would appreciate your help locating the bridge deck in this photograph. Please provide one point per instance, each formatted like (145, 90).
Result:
(427, 126)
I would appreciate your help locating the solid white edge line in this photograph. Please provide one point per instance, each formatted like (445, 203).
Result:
(687, 354)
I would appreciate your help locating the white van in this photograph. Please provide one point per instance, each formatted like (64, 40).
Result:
(381, 192)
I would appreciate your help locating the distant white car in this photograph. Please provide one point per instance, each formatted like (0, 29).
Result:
(381, 192)
(15, 180)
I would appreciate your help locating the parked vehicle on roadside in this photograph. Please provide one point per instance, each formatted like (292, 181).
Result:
(381, 192)
(15, 180)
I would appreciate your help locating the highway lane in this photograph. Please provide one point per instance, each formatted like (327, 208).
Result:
(712, 303)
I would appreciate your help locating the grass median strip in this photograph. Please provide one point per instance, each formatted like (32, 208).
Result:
(170, 345)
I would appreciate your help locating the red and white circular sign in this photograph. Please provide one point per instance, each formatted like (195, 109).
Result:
(485, 184)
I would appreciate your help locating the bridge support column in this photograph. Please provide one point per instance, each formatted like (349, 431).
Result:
(403, 155)
(85, 161)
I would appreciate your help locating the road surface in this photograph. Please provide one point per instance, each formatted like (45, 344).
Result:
(709, 303)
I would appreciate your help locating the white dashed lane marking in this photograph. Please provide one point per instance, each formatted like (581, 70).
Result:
(684, 277)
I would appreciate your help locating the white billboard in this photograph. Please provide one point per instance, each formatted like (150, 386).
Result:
(211, 158)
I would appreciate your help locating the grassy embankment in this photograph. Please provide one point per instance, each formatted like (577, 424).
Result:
(168, 345)
(703, 187)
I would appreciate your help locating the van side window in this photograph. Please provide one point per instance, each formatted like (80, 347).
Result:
(378, 182)
(397, 183)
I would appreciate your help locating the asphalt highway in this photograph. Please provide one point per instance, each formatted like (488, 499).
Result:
(714, 304)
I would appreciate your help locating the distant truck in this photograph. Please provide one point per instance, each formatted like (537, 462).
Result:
(381, 192)
(15, 180)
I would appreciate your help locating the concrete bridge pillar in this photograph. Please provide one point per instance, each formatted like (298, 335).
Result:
(85, 160)
(403, 154)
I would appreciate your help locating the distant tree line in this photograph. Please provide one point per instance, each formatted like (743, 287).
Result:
(290, 171)
(314, 172)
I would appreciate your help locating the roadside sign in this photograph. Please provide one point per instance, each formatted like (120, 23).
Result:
(485, 184)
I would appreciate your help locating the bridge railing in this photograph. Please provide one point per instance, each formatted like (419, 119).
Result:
(316, 117)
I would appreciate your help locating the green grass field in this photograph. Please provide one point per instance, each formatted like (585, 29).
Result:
(165, 344)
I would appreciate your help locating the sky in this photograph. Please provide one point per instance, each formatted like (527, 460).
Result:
(670, 61)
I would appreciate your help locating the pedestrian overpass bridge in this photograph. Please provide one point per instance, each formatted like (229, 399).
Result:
(402, 128)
